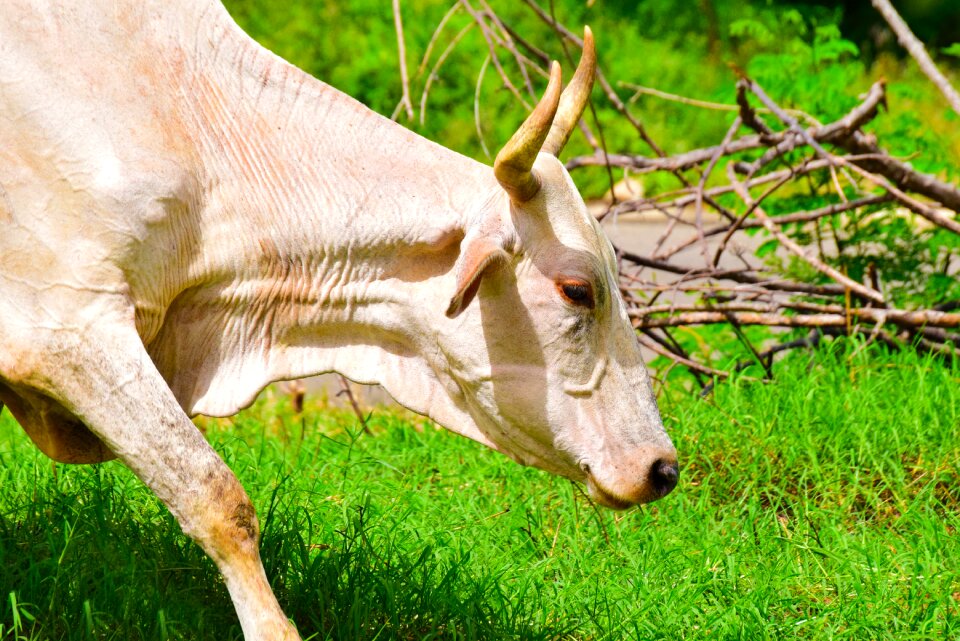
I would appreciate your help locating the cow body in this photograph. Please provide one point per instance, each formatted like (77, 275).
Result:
(210, 202)
(185, 218)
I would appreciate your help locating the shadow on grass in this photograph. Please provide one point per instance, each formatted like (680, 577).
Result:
(371, 584)
(90, 554)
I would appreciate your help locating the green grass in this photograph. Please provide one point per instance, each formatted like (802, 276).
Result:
(822, 505)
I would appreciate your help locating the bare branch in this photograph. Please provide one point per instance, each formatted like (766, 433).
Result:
(346, 390)
(807, 282)
(918, 51)
(490, 37)
(402, 54)
(698, 214)
(476, 106)
(740, 276)
(862, 291)
(751, 208)
(436, 67)
(795, 217)
(833, 314)
(436, 35)
(913, 320)
(693, 365)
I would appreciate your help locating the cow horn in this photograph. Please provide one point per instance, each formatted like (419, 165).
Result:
(574, 98)
(514, 164)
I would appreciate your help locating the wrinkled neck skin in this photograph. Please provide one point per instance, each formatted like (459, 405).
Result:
(258, 225)
(328, 240)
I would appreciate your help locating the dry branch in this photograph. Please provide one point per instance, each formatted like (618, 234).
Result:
(402, 54)
(748, 315)
(765, 155)
(918, 51)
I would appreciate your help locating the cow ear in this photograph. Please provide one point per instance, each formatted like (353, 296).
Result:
(479, 256)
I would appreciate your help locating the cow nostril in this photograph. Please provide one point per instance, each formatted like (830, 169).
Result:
(664, 476)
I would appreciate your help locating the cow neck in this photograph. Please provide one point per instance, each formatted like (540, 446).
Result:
(316, 180)
(331, 230)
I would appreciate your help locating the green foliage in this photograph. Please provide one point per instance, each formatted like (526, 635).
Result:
(821, 505)
(794, 50)
(803, 61)
(952, 50)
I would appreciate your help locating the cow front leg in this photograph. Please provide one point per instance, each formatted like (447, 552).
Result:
(105, 378)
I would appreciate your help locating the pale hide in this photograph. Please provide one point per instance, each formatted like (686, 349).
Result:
(185, 218)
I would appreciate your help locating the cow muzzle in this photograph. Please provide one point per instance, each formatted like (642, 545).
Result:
(651, 474)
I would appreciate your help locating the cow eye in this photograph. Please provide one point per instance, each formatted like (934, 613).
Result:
(578, 293)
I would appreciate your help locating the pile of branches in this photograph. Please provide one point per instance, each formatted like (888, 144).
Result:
(698, 273)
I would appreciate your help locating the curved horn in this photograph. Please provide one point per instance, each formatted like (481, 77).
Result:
(514, 164)
(574, 98)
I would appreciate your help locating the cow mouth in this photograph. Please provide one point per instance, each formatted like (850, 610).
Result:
(605, 497)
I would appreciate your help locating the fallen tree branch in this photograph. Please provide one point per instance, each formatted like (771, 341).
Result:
(861, 290)
(902, 318)
(785, 219)
(740, 276)
(918, 51)
(819, 272)
(693, 365)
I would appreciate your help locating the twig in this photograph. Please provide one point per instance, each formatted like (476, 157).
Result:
(433, 72)
(492, 47)
(507, 42)
(792, 123)
(918, 51)
(811, 340)
(476, 106)
(903, 318)
(402, 54)
(436, 35)
(698, 214)
(738, 224)
(693, 365)
(682, 198)
(741, 276)
(861, 290)
(345, 390)
(639, 90)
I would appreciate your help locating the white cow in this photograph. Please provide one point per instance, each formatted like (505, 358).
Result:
(185, 218)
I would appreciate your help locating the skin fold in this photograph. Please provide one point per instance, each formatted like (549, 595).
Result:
(186, 218)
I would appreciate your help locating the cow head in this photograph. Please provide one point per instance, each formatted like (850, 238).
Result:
(561, 384)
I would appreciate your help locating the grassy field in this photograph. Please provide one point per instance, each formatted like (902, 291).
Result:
(822, 505)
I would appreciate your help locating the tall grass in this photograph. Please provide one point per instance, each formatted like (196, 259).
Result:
(821, 505)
